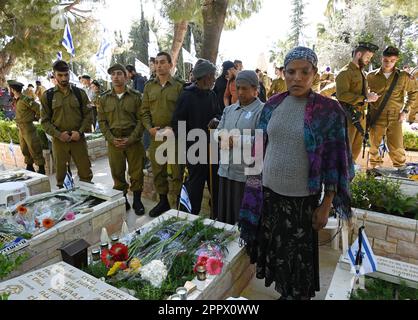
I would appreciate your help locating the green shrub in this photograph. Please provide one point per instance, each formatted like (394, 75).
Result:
(382, 195)
(410, 140)
(8, 130)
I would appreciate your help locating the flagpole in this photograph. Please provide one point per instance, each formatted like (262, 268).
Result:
(211, 183)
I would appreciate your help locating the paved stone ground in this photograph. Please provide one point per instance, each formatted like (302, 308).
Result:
(255, 289)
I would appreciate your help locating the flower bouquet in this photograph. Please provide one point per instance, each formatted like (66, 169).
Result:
(161, 258)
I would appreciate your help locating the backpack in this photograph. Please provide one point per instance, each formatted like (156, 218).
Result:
(76, 91)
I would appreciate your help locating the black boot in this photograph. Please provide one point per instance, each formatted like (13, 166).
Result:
(127, 205)
(30, 167)
(137, 205)
(161, 207)
(41, 170)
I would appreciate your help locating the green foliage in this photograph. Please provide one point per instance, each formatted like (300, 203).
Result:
(9, 130)
(9, 264)
(383, 195)
(239, 10)
(377, 289)
(410, 141)
(29, 36)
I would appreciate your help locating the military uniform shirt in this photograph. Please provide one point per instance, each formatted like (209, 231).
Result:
(27, 110)
(66, 113)
(379, 84)
(349, 85)
(159, 103)
(120, 115)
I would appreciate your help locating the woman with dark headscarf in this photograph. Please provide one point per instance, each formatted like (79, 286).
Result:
(306, 149)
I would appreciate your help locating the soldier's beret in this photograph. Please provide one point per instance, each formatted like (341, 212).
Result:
(369, 46)
(14, 83)
(115, 67)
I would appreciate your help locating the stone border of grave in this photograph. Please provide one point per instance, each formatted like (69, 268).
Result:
(343, 281)
(43, 248)
(390, 236)
(37, 184)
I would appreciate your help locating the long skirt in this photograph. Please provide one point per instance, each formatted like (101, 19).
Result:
(286, 250)
(229, 197)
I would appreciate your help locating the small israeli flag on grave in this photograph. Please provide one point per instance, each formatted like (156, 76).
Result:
(184, 199)
(361, 256)
(69, 181)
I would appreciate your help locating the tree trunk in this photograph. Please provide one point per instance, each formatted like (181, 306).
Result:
(214, 14)
(7, 60)
(180, 30)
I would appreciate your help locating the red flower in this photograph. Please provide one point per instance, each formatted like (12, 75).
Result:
(48, 223)
(22, 210)
(119, 252)
(106, 259)
(202, 260)
(214, 266)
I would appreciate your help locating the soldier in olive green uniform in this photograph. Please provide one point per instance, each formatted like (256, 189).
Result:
(352, 93)
(389, 123)
(66, 120)
(120, 122)
(316, 84)
(27, 111)
(326, 78)
(279, 84)
(158, 104)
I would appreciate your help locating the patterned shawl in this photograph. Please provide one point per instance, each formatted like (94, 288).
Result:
(326, 140)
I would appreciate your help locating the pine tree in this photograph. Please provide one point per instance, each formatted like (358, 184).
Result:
(297, 22)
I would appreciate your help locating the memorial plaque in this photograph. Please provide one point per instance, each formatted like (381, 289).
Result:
(397, 268)
(60, 281)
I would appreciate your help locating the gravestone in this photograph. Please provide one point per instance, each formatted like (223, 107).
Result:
(60, 281)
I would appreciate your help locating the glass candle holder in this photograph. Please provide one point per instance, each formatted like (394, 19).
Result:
(201, 273)
(175, 297)
(104, 246)
(114, 239)
(95, 253)
(182, 292)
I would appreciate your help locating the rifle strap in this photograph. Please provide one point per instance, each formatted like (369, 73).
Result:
(385, 100)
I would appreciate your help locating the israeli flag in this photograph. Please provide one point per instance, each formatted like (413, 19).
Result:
(383, 148)
(184, 199)
(104, 49)
(68, 180)
(59, 55)
(361, 255)
(67, 40)
(11, 148)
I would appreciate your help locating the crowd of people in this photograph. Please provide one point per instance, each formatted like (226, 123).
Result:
(313, 126)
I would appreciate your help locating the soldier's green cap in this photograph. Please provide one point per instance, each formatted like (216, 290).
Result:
(369, 46)
(14, 83)
(115, 67)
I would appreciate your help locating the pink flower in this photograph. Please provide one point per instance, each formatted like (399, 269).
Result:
(214, 266)
(202, 259)
(69, 216)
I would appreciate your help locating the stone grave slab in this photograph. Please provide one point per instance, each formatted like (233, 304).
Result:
(37, 183)
(43, 248)
(60, 281)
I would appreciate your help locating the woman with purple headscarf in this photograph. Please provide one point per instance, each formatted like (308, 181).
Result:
(306, 151)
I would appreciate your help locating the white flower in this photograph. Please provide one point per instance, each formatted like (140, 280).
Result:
(155, 272)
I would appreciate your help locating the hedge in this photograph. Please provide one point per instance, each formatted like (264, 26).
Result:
(8, 130)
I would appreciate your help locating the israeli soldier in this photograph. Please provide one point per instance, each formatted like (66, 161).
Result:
(27, 111)
(119, 120)
(279, 84)
(327, 77)
(316, 84)
(158, 105)
(353, 94)
(65, 116)
(386, 118)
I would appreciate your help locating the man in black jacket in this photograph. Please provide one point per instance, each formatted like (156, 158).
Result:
(198, 106)
(221, 83)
